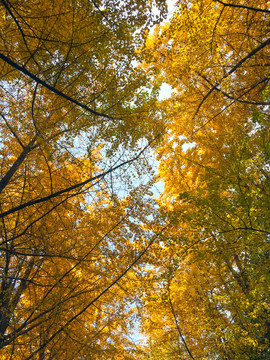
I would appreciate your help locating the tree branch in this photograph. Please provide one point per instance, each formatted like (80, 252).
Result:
(238, 98)
(243, 7)
(7, 177)
(76, 186)
(233, 69)
(63, 327)
(177, 326)
(51, 88)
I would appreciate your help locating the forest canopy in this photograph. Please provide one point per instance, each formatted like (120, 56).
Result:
(133, 227)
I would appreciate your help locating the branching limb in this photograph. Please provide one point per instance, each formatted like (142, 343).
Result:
(73, 187)
(233, 69)
(243, 7)
(50, 87)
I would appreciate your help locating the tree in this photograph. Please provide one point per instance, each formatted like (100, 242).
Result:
(87, 252)
(74, 112)
(213, 278)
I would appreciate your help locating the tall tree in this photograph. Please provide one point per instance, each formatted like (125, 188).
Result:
(213, 280)
(75, 114)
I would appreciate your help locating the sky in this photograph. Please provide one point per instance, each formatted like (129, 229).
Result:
(165, 91)
(171, 6)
